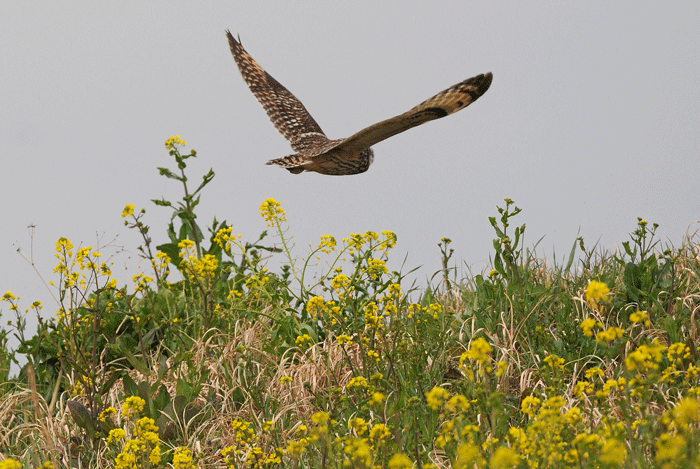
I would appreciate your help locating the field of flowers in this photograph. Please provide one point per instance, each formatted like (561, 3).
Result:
(332, 363)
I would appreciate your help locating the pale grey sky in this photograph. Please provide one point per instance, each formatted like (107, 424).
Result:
(593, 119)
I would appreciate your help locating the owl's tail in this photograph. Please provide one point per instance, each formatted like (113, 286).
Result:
(292, 163)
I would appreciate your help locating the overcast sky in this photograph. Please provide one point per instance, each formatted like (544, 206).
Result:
(592, 120)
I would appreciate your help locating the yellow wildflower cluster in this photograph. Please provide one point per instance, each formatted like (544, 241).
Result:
(597, 292)
(303, 341)
(640, 317)
(318, 308)
(173, 141)
(86, 260)
(248, 449)
(79, 387)
(376, 268)
(10, 463)
(142, 448)
(226, 240)
(478, 355)
(356, 241)
(358, 382)
(182, 459)
(341, 285)
(202, 269)
(12, 299)
(132, 406)
(272, 211)
(373, 317)
(141, 282)
(327, 244)
(128, 210)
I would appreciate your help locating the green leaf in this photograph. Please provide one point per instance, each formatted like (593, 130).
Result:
(169, 174)
(81, 416)
(130, 387)
(206, 180)
(162, 203)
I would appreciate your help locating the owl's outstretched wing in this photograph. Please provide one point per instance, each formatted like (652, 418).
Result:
(286, 112)
(442, 104)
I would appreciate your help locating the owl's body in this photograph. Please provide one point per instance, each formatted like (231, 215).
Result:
(352, 155)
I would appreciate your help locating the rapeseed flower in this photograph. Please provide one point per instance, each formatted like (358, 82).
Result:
(182, 459)
(132, 406)
(504, 458)
(400, 461)
(128, 210)
(173, 141)
(436, 397)
(597, 291)
(272, 211)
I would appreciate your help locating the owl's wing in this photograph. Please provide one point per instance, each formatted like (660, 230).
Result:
(286, 112)
(442, 104)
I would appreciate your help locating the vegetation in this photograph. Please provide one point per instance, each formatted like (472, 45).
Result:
(329, 363)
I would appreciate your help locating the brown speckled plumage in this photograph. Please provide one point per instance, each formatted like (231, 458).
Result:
(352, 155)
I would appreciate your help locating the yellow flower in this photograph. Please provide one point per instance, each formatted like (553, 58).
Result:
(573, 416)
(296, 448)
(640, 316)
(174, 140)
(613, 453)
(182, 459)
(303, 340)
(376, 399)
(106, 413)
(9, 296)
(128, 210)
(358, 382)
(504, 458)
(372, 355)
(379, 432)
(669, 449)
(327, 244)
(400, 461)
(359, 425)
(320, 418)
(359, 451)
(132, 406)
(272, 212)
(389, 240)
(609, 334)
(340, 284)
(554, 362)
(678, 352)
(457, 403)
(436, 397)
(316, 306)
(343, 339)
(686, 412)
(376, 268)
(285, 379)
(10, 464)
(587, 326)
(116, 434)
(468, 456)
(479, 351)
(596, 291)
(529, 406)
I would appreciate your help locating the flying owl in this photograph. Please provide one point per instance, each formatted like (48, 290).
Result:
(352, 155)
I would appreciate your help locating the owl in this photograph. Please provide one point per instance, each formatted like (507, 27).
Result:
(352, 155)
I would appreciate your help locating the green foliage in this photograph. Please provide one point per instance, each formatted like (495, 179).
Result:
(333, 362)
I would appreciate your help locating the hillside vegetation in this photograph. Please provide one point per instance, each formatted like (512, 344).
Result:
(334, 362)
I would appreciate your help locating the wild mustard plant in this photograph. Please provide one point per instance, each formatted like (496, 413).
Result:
(590, 369)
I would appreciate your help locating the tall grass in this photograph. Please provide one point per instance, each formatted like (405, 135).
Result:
(584, 365)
